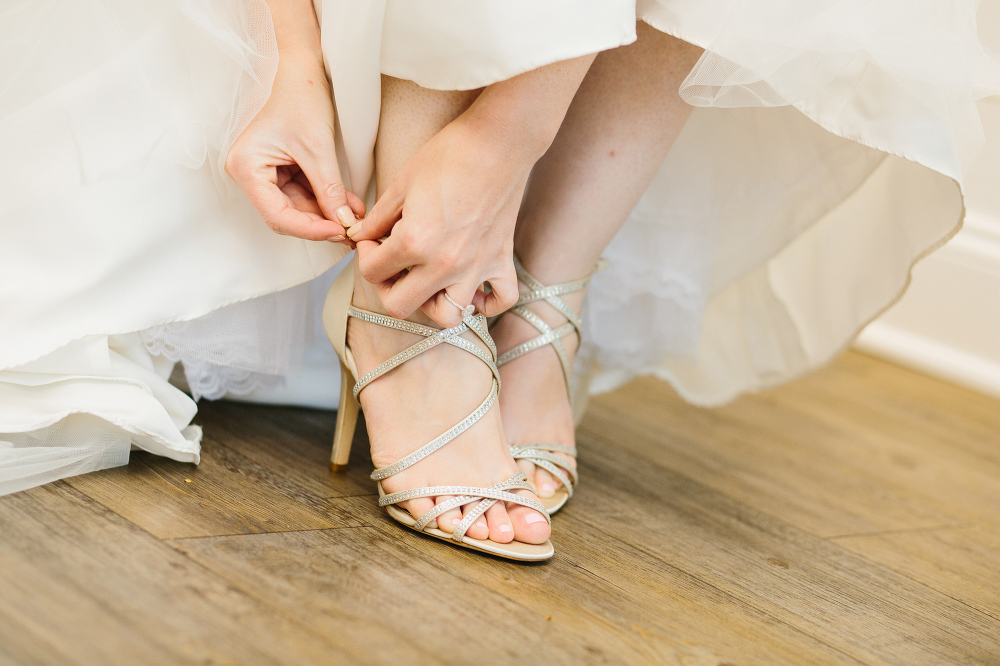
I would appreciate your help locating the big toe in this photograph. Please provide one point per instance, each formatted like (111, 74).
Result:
(529, 525)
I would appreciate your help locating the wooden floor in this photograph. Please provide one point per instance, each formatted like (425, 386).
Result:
(852, 517)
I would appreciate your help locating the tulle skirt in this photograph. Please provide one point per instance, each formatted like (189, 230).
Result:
(825, 157)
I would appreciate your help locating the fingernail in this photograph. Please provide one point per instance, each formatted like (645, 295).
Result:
(508, 528)
(335, 239)
(456, 521)
(346, 216)
(548, 488)
(533, 518)
(355, 229)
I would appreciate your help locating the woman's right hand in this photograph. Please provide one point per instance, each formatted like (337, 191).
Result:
(286, 162)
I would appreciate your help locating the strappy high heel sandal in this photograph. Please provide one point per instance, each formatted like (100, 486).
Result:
(337, 309)
(544, 454)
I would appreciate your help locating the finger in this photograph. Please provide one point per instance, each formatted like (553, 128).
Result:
(303, 200)
(403, 296)
(442, 311)
(380, 261)
(323, 173)
(382, 217)
(281, 215)
(501, 297)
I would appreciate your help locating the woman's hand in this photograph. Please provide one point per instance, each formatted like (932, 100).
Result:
(285, 160)
(448, 217)
(451, 212)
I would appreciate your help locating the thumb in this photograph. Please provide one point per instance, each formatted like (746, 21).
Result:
(383, 216)
(336, 202)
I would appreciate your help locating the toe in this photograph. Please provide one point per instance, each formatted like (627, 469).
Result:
(527, 467)
(500, 527)
(479, 529)
(529, 525)
(418, 507)
(545, 483)
(449, 520)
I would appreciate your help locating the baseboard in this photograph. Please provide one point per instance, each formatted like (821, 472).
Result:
(930, 357)
(948, 323)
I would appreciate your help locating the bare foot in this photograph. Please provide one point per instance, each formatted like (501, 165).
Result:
(534, 399)
(419, 400)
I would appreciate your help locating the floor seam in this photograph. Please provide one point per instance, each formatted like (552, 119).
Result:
(905, 530)
(247, 534)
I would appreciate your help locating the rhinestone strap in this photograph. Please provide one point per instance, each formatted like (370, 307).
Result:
(549, 336)
(544, 456)
(441, 440)
(462, 495)
(433, 337)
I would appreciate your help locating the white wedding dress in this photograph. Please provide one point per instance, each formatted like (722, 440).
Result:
(825, 158)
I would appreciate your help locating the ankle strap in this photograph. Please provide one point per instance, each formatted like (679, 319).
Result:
(549, 336)
(432, 338)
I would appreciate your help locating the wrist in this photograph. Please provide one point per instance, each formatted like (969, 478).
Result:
(512, 128)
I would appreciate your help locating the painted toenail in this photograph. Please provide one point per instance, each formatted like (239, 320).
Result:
(547, 487)
(532, 518)
(480, 524)
(507, 528)
(456, 521)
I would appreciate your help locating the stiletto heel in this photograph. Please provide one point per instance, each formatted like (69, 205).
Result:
(336, 311)
(347, 421)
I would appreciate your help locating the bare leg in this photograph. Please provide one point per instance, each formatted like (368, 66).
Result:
(619, 128)
(427, 395)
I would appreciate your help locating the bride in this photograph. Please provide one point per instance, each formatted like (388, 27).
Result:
(758, 178)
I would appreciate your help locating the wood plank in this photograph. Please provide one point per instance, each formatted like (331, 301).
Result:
(777, 450)
(256, 475)
(83, 586)
(403, 592)
(846, 518)
(860, 608)
(962, 563)
(290, 445)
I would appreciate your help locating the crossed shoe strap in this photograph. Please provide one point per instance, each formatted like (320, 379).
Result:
(463, 494)
(543, 454)
(432, 338)
(487, 496)
(548, 335)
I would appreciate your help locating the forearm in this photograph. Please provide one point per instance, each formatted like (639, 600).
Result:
(525, 112)
(297, 31)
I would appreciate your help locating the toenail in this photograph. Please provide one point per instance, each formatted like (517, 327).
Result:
(548, 487)
(456, 521)
(507, 528)
(480, 524)
(534, 518)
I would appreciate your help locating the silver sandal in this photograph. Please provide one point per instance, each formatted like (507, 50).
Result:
(337, 310)
(544, 454)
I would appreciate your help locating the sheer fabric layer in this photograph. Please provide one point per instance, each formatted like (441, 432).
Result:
(116, 217)
(824, 159)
